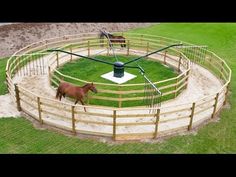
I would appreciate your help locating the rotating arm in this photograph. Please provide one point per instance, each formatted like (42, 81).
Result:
(136, 59)
(90, 58)
(137, 67)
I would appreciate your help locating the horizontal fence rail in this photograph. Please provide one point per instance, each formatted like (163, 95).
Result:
(117, 123)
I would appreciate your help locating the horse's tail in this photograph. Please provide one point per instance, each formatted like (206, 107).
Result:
(58, 92)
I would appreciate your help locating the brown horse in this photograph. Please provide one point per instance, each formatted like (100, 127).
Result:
(114, 39)
(76, 92)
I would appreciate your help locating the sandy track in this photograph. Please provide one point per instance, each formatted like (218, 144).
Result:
(201, 83)
(7, 107)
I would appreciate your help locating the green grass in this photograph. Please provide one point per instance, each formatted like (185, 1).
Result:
(91, 71)
(19, 136)
(3, 86)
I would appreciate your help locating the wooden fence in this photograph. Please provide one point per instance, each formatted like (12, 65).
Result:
(129, 93)
(117, 123)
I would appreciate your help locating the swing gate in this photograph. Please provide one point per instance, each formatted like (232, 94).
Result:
(152, 95)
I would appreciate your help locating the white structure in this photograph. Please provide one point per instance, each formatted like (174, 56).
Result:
(125, 78)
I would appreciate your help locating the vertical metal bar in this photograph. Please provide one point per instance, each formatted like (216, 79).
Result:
(33, 61)
(49, 75)
(57, 59)
(128, 46)
(70, 52)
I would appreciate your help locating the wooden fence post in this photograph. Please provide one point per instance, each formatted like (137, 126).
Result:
(70, 52)
(73, 119)
(191, 116)
(7, 83)
(128, 46)
(39, 110)
(88, 48)
(165, 57)
(114, 124)
(215, 105)
(147, 47)
(57, 60)
(226, 93)
(157, 122)
(187, 74)
(17, 97)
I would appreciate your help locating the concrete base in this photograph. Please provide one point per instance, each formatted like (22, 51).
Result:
(127, 76)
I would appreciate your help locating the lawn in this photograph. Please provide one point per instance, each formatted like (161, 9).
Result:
(19, 136)
(91, 71)
(3, 86)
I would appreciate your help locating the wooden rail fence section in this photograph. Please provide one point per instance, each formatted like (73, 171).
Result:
(112, 121)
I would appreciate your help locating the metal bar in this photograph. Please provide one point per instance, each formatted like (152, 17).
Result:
(90, 58)
(110, 44)
(136, 59)
(137, 67)
(152, 84)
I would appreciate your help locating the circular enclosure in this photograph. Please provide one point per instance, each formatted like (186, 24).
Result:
(32, 71)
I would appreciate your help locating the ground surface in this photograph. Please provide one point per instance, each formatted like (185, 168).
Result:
(18, 135)
(155, 71)
(16, 36)
(201, 83)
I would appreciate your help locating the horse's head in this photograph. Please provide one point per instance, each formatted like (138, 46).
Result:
(93, 88)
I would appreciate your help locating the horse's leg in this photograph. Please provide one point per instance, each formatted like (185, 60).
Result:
(76, 101)
(82, 104)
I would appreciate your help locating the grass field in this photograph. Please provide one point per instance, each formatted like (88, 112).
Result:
(91, 71)
(19, 136)
(3, 86)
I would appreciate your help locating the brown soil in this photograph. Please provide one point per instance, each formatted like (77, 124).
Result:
(16, 36)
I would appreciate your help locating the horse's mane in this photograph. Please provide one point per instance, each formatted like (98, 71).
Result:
(86, 85)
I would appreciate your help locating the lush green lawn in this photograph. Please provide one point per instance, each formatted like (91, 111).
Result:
(3, 86)
(91, 71)
(18, 135)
